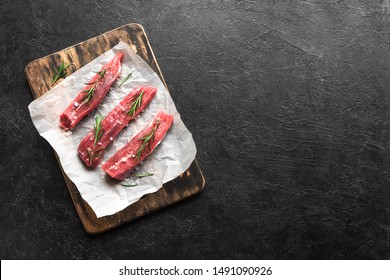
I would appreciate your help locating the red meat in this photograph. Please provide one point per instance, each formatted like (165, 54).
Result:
(91, 150)
(139, 147)
(92, 94)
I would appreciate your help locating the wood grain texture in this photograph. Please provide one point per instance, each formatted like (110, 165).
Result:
(39, 73)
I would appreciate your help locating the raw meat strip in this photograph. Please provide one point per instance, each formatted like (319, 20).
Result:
(139, 147)
(91, 149)
(92, 94)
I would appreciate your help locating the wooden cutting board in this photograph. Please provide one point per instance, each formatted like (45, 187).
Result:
(39, 74)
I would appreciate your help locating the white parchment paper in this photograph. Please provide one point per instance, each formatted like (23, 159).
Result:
(105, 195)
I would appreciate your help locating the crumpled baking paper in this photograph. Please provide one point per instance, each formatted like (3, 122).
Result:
(107, 196)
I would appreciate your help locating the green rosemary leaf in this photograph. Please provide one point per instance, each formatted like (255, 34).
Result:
(60, 72)
(90, 92)
(146, 174)
(101, 73)
(98, 129)
(147, 138)
(94, 154)
(90, 156)
(137, 102)
(129, 184)
(125, 79)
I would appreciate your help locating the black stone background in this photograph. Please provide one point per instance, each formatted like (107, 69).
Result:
(288, 103)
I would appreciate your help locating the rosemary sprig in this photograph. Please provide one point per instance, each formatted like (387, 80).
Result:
(147, 138)
(91, 91)
(129, 184)
(139, 175)
(137, 102)
(101, 73)
(94, 154)
(146, 174)
(125, 79)
(98, 129)
(98, 132)
(60, 72)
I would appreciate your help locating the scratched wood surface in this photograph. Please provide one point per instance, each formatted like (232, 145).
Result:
(39, 73)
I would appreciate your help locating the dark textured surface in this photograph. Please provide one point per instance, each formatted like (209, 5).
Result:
(288, 102)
